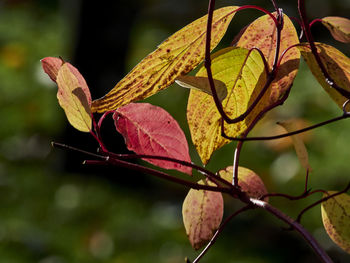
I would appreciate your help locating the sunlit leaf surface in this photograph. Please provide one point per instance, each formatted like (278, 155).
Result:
(337, 65)
(202, 84)
(202, 213)
(73, 93)
(248, 180)
(176, 56)
(150, 130)
(336, 219)
(339, 27)
(244, 76)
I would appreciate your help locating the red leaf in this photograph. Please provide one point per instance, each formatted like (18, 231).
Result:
(150, 130)
(51, 65)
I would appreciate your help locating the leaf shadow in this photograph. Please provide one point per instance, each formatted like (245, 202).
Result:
(80, 94)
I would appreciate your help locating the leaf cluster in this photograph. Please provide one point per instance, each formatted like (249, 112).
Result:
(233, 89)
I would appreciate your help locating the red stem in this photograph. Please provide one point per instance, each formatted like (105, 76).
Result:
(159, 174)
(221, 228)
(321, 201)
(315, 21)
(207, 62)
(309, 37)
(298, 227)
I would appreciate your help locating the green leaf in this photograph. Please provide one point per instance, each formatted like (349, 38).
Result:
(74, 98)
(337, 65)
(176, 56)
(298, 143)
(336, 219)
(244, 76)
(248, 180)
(202, 84)
(202, 213)
(243, 73)
(339, 27)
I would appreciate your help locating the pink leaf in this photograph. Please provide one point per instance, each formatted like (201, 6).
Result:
(150, 130)
(202, 213)
(52, 65)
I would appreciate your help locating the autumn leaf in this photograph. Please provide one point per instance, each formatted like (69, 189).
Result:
(336, 64)
(51, 65)
(336, 219)
(339, 27)
(262, 34)
(248, 180)
(176, 56)
(73, 93)
(202, 212)
(150, 130)
(202, 84)
(298, 143)
(244, 76)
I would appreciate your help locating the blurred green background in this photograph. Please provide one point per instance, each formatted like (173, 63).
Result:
(55, 210)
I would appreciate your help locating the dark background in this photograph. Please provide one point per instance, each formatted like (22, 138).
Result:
(55, 210)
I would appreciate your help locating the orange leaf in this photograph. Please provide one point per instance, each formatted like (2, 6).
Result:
(339, 27)
(299, 145)
(262, 34)
(337, 65)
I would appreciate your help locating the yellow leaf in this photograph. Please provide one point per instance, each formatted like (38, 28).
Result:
(176, 56)
(248, 180)
(339, 27)
(299, 145)
(74, 97)
(202, 84)
(336, 219)
(244, 75)
(202, 213)
(337, 65)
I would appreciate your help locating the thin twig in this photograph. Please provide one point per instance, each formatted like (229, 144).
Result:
(207, 173)
(321, 201)
(297, 226)
(309, 37)
(147, 170)
(207, 63)
(279, 136)
(216, 235)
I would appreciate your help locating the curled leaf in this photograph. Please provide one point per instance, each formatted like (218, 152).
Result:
(336, 64)
(150, 130)
(73, 93)
(51, 65)
(336, 219)
(202, 213)
(176, 56)
(248, 180)
(298, 143)
(339, 27)
(202, 84)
